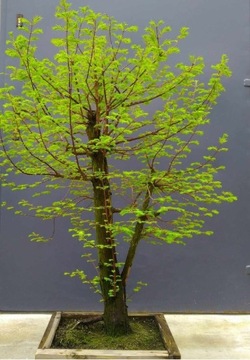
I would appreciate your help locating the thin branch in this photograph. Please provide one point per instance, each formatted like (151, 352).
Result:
(70, 89)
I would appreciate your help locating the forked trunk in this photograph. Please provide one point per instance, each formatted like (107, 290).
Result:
(112, 288)
(113, 291)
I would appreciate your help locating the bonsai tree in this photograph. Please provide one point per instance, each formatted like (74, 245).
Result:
(85, 122)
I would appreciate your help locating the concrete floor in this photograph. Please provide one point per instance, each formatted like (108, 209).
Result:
(197, 336)
(211, 336)
(20, 334)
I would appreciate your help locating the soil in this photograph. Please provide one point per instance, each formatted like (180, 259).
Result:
(72, 333)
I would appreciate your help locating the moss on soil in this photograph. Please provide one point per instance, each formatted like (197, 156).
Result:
(71, 335)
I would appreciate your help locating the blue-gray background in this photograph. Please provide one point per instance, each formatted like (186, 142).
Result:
(208, 274)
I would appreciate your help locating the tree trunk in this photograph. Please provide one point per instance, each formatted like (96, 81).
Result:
(113, 290)
(116, 315)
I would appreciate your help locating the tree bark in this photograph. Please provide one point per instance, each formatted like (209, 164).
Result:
(139, 227)
(116, 314)
(113, 291)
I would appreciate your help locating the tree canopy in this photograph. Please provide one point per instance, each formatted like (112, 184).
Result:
(111, 122)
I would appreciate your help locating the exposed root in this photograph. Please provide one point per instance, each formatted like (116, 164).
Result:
(88, 320)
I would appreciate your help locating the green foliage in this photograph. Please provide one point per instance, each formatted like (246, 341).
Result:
(139, 285)
(83, 124)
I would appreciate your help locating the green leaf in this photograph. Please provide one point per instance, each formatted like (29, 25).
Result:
(107, 134)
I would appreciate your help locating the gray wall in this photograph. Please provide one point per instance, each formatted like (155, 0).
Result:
(208, 274)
